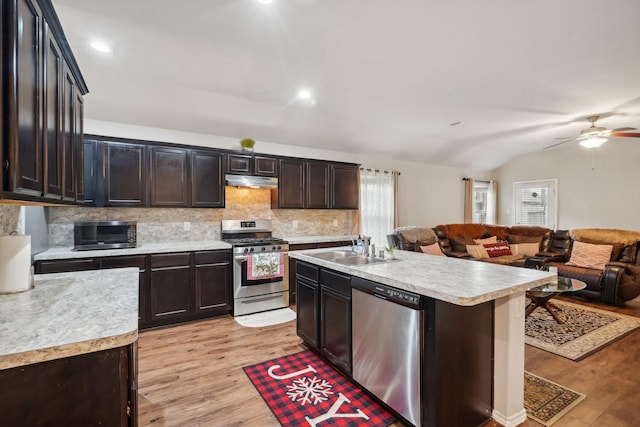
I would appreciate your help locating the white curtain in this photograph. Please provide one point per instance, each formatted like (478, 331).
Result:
(492, 201)
(468, 200)
(377, 205)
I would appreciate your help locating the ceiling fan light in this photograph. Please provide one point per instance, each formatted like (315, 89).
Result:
(593, 141)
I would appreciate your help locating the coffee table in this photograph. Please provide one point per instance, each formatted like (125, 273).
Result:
(540, 295)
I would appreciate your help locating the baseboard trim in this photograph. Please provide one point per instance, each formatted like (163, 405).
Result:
(513, 421)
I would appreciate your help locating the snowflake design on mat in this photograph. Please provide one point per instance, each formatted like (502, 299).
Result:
(309, 390)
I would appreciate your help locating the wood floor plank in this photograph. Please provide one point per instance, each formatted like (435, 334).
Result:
(191, 375)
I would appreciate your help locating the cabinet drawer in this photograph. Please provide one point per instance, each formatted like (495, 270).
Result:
(170, 260)
(44, 267)
(211, 257)
(307, 271)
(336, 281)
(123, 262)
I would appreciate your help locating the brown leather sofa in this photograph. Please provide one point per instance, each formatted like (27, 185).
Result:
(618, 282)
(454, 238)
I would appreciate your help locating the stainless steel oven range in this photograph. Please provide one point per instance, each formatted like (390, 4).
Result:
(260, 266)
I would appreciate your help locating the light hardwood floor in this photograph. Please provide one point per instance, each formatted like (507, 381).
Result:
(191, 375)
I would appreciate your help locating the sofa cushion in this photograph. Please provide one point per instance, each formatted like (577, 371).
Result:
(490, 239)
(628, 253)
(497, 249)
(588, 255)
(518, 238)
(525, 249)
(433, 249)
(477, 251)
(459, 243)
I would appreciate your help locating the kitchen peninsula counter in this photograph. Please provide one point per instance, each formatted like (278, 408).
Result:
(67, 252)
(68, 314)
(460, 282)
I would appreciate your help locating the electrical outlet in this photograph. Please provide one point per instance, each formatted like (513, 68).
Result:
(335, 222)
(295, 223)
(187, 226)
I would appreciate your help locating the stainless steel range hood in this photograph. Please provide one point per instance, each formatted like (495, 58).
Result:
(251, 181)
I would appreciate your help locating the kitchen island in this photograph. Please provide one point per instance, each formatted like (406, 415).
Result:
(446, 283)
(68, 348)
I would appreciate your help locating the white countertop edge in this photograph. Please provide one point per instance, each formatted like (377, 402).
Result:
(398, 274)
(67, 350)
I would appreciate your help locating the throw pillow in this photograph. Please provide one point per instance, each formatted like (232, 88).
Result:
(459, 243)
(477, 251)
(433, 249)
(490, 239)
(588, 255)
(497, 249)
(528, 249)
(420, 243)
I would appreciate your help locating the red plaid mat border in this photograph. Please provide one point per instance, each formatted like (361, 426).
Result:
(302, 389)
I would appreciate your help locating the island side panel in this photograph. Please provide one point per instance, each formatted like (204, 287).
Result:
(458, 374)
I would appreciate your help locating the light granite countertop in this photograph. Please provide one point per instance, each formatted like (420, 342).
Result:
(147, 248)
(67, 314)
(316, 239)
(458, 281)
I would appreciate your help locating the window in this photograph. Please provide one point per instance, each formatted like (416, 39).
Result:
(535, 203)
(480, 199)
(377, 204)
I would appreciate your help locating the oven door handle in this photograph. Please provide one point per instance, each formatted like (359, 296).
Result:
(241, 257)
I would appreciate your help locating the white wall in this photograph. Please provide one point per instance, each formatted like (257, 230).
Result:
(596, 188)
(428, 194)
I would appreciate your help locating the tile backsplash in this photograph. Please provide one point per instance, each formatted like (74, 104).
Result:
(181, 224)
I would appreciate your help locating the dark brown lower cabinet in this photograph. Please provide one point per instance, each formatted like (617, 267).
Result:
(93, 389)
(212, 276)
(171, 288)
(307, 312)
(335, 319)
(138, 261)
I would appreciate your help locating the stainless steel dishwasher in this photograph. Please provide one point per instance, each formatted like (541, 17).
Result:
(387, 345)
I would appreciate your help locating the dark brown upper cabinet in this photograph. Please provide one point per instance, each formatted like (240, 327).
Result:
(317, 185)
(125, 179)
(207, 180)
(247, 164)
(291, 184)
(168, 176)
(41, 84)
(345, 186)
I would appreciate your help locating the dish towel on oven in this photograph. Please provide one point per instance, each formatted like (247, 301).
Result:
(265, 266)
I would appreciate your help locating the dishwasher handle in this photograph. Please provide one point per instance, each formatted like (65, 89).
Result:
(388, 293)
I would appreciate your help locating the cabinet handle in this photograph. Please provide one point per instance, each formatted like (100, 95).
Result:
(5, 163)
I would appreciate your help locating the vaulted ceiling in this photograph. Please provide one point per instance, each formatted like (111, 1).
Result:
(387, 77)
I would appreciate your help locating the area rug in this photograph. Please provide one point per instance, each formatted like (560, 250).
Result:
(585, 331)
(266, 318)
(302, 389)
(546, 401)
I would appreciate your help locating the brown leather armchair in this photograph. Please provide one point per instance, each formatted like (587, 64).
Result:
(555, 247)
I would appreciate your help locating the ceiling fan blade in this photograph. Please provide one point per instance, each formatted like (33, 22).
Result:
(557, 143)
(622, 129)
(626, 134)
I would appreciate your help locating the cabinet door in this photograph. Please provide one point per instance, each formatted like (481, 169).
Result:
(125, 182)
(317, 185)
(265, 166)
(335, 329)
(78, 146)
(68, 125)
(291, 184)
(207, 180)
(24, 86)
(89, 170)
(171, 288)
(293, 268)
(168, 167)
(345, 185)
(239, 164)
(307, 312)
(52, 119)
(212, 283)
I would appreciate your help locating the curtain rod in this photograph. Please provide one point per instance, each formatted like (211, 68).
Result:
(476, 180)
(378, 170)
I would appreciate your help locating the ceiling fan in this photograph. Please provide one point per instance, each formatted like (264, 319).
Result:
(594, 136)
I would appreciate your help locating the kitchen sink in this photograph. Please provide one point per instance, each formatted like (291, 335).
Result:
(347, 258)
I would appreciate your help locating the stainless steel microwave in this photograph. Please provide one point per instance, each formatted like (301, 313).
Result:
(103, 235)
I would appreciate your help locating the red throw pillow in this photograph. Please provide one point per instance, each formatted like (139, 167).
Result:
(497, 249)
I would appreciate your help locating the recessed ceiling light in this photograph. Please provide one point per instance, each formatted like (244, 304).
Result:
(304, 94)
(101, 46)
(455, 123)
(265, 1)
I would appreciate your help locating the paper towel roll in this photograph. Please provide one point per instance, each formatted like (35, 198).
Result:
(15, 264)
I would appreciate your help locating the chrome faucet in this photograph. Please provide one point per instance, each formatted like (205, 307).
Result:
(353, 242)
(366, 242)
